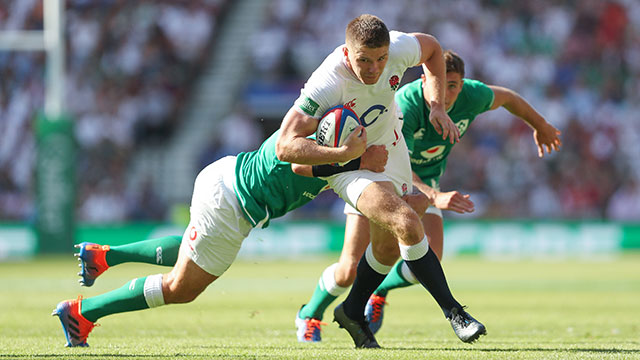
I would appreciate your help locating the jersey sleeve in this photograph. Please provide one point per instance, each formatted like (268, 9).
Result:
(406, 48)
(481, 95)
(320, 93)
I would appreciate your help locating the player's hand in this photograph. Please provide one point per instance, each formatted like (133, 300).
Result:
(547, 138)
(375, 158)
(454, 201)
(355, 144)
(441, 121)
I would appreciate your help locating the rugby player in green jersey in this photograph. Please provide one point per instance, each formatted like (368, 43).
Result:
(465, 99)
(231, 196)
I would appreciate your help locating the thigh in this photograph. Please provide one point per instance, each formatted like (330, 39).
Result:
(186, 280)
(380, 204)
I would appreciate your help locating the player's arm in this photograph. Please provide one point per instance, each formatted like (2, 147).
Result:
(451, 200)
(545, 135)
(373, 159)
(434, 69)
(293, 145)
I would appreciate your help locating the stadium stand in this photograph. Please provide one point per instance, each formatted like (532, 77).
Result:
(133, 65)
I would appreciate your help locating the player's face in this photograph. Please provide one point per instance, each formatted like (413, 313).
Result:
(454, 86)
(367, 63)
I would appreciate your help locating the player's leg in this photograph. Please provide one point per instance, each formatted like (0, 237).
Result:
(95, 259)
(186, 281)
(335, 279)
(377, 260)
(400, 276)
(209, 246)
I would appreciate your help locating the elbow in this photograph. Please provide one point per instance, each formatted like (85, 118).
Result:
(281, 152)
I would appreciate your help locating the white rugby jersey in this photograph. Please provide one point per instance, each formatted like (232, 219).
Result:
(333, 83)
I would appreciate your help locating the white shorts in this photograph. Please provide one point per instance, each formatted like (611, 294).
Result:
(348, 209)
(349, 185)
(217, 226)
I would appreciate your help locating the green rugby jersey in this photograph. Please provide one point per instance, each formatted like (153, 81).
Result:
(428, 152)
(267, 187)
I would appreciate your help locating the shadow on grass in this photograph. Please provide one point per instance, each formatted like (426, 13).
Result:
(531, 349)
(279, 349)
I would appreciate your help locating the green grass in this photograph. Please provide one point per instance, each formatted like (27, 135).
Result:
(532, 310)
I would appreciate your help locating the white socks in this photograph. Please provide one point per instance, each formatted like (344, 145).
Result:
(328, 281)
(374, 263)
(414, 252)
(153, 290)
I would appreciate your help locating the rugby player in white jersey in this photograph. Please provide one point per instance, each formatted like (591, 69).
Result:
(364, 74)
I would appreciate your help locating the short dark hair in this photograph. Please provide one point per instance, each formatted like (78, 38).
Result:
(454, 62)
(368, 31)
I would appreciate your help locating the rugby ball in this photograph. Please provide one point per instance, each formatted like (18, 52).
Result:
(335, 126)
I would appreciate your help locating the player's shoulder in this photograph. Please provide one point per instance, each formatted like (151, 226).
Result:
(476, 93)
(475, 88)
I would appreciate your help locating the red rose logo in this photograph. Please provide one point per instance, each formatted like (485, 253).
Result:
(394, 81)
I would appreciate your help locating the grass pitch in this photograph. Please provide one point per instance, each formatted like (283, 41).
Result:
(532, 310)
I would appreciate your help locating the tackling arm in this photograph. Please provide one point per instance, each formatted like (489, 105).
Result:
(545, 135)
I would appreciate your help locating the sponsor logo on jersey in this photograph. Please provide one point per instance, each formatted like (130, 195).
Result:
(309, 195)
(394, 82)
(433, 152)
(309, 106)
(463, 125)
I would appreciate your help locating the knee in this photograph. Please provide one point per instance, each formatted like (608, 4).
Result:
(346, 274)
(409, 228)
(178, 292)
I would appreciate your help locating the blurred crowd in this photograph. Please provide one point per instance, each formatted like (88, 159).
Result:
(576, 61)
(130, 65)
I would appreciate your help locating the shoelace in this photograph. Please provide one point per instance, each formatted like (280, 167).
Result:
(377, 303)
(93, 325)
(461, 318)
(313, 325)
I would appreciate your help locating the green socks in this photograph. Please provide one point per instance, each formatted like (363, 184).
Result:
(397, 278)
(326, 292)
(160, 251)
(130, 297)
(137, 294)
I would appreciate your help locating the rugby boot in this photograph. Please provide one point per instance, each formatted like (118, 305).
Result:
(465, 326)
(76, 328)
(374, 311)
(358, 330)
(92, 261)
(309, 329)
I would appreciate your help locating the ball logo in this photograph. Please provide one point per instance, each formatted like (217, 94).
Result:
(432, 152)
(193, 234)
